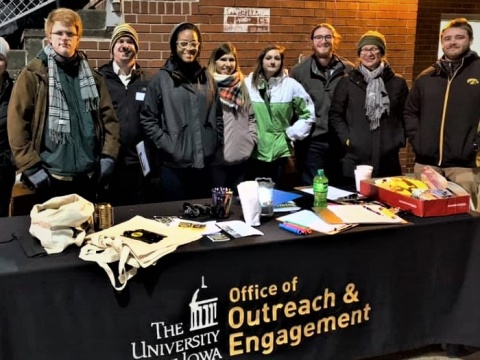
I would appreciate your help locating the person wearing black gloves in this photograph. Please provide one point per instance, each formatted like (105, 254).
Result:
(62, 127)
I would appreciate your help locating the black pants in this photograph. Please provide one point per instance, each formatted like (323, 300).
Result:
(81, 185)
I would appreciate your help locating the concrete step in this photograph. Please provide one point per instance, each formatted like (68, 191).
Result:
(94, 27)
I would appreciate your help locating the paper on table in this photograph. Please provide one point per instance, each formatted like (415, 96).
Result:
(311, 220)
(238, 228)
(208, 227)
(364, 214)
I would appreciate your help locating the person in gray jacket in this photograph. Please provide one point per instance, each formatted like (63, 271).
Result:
(319, 74)
(182, 115)
(240, 128)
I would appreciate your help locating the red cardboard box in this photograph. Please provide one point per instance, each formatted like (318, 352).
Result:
(422, 208)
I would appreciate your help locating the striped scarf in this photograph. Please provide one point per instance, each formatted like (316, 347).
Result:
(377, 101)
(58, 113)
(230, 89)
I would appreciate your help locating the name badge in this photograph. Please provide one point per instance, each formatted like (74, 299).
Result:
(140, 96)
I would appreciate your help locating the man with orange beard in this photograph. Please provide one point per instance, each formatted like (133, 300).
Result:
(319, 74)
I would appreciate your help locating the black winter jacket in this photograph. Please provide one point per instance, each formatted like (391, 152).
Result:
(442, 114)
(128, 102)
(348, 120)
(183, 118)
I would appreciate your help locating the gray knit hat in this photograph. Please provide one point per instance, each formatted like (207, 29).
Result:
(121, 31)
(372, 37)
(4, 47)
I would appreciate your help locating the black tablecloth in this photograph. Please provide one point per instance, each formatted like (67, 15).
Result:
(368, 291)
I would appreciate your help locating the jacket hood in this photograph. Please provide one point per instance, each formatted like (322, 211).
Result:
(174, 35)
(184, 73)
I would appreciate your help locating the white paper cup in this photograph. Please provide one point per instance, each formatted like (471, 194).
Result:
(367, 168)
(361, 175)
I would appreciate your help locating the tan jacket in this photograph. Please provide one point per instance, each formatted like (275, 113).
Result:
(27, 115)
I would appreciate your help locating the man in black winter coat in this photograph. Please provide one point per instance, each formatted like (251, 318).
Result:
(442, 112)
(127, 84)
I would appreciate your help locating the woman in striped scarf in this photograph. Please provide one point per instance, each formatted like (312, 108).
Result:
(240, 130)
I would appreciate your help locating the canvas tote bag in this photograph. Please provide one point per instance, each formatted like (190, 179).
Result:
(110, 246)
(61, 221)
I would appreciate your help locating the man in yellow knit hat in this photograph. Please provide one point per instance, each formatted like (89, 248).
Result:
(127, 84)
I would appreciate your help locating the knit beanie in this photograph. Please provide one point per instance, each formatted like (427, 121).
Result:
(121, 31)
(4, 47)
(372, 37)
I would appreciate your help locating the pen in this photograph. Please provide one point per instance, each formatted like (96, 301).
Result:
(374, 211)
(290, 229)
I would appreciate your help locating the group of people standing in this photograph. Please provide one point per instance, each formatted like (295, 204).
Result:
(73, 129)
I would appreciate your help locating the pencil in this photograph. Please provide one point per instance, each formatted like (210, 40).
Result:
(387, 212)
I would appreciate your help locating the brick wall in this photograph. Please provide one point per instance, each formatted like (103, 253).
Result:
(429, 17)
(290, 25)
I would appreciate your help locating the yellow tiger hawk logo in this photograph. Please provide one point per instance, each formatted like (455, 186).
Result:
(473, 81)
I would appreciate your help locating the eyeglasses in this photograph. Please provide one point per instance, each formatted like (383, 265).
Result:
(373, 50)
(323, 37)
(185, 44)
(68, 34)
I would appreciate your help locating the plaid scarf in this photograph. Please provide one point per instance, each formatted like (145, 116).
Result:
(58, 113)
(230, 89)
(376, 99)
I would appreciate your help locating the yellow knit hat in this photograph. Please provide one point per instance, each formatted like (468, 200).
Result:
(121, 31)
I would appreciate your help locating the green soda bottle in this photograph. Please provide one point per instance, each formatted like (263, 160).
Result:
(320, 189)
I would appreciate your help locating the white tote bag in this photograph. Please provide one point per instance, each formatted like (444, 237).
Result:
(61, 221)
(110, 246)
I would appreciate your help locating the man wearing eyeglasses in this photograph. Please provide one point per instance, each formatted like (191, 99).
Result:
(319, 74)
(62, 126)
(367, 111)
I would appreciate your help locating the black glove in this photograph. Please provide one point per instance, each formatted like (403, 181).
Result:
(38, 179)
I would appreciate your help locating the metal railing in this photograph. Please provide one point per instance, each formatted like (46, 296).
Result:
(12, 10)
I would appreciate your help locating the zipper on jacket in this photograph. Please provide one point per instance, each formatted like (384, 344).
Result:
(444, 113)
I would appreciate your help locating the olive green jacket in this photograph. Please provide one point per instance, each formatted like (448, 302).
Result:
(27, 114)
